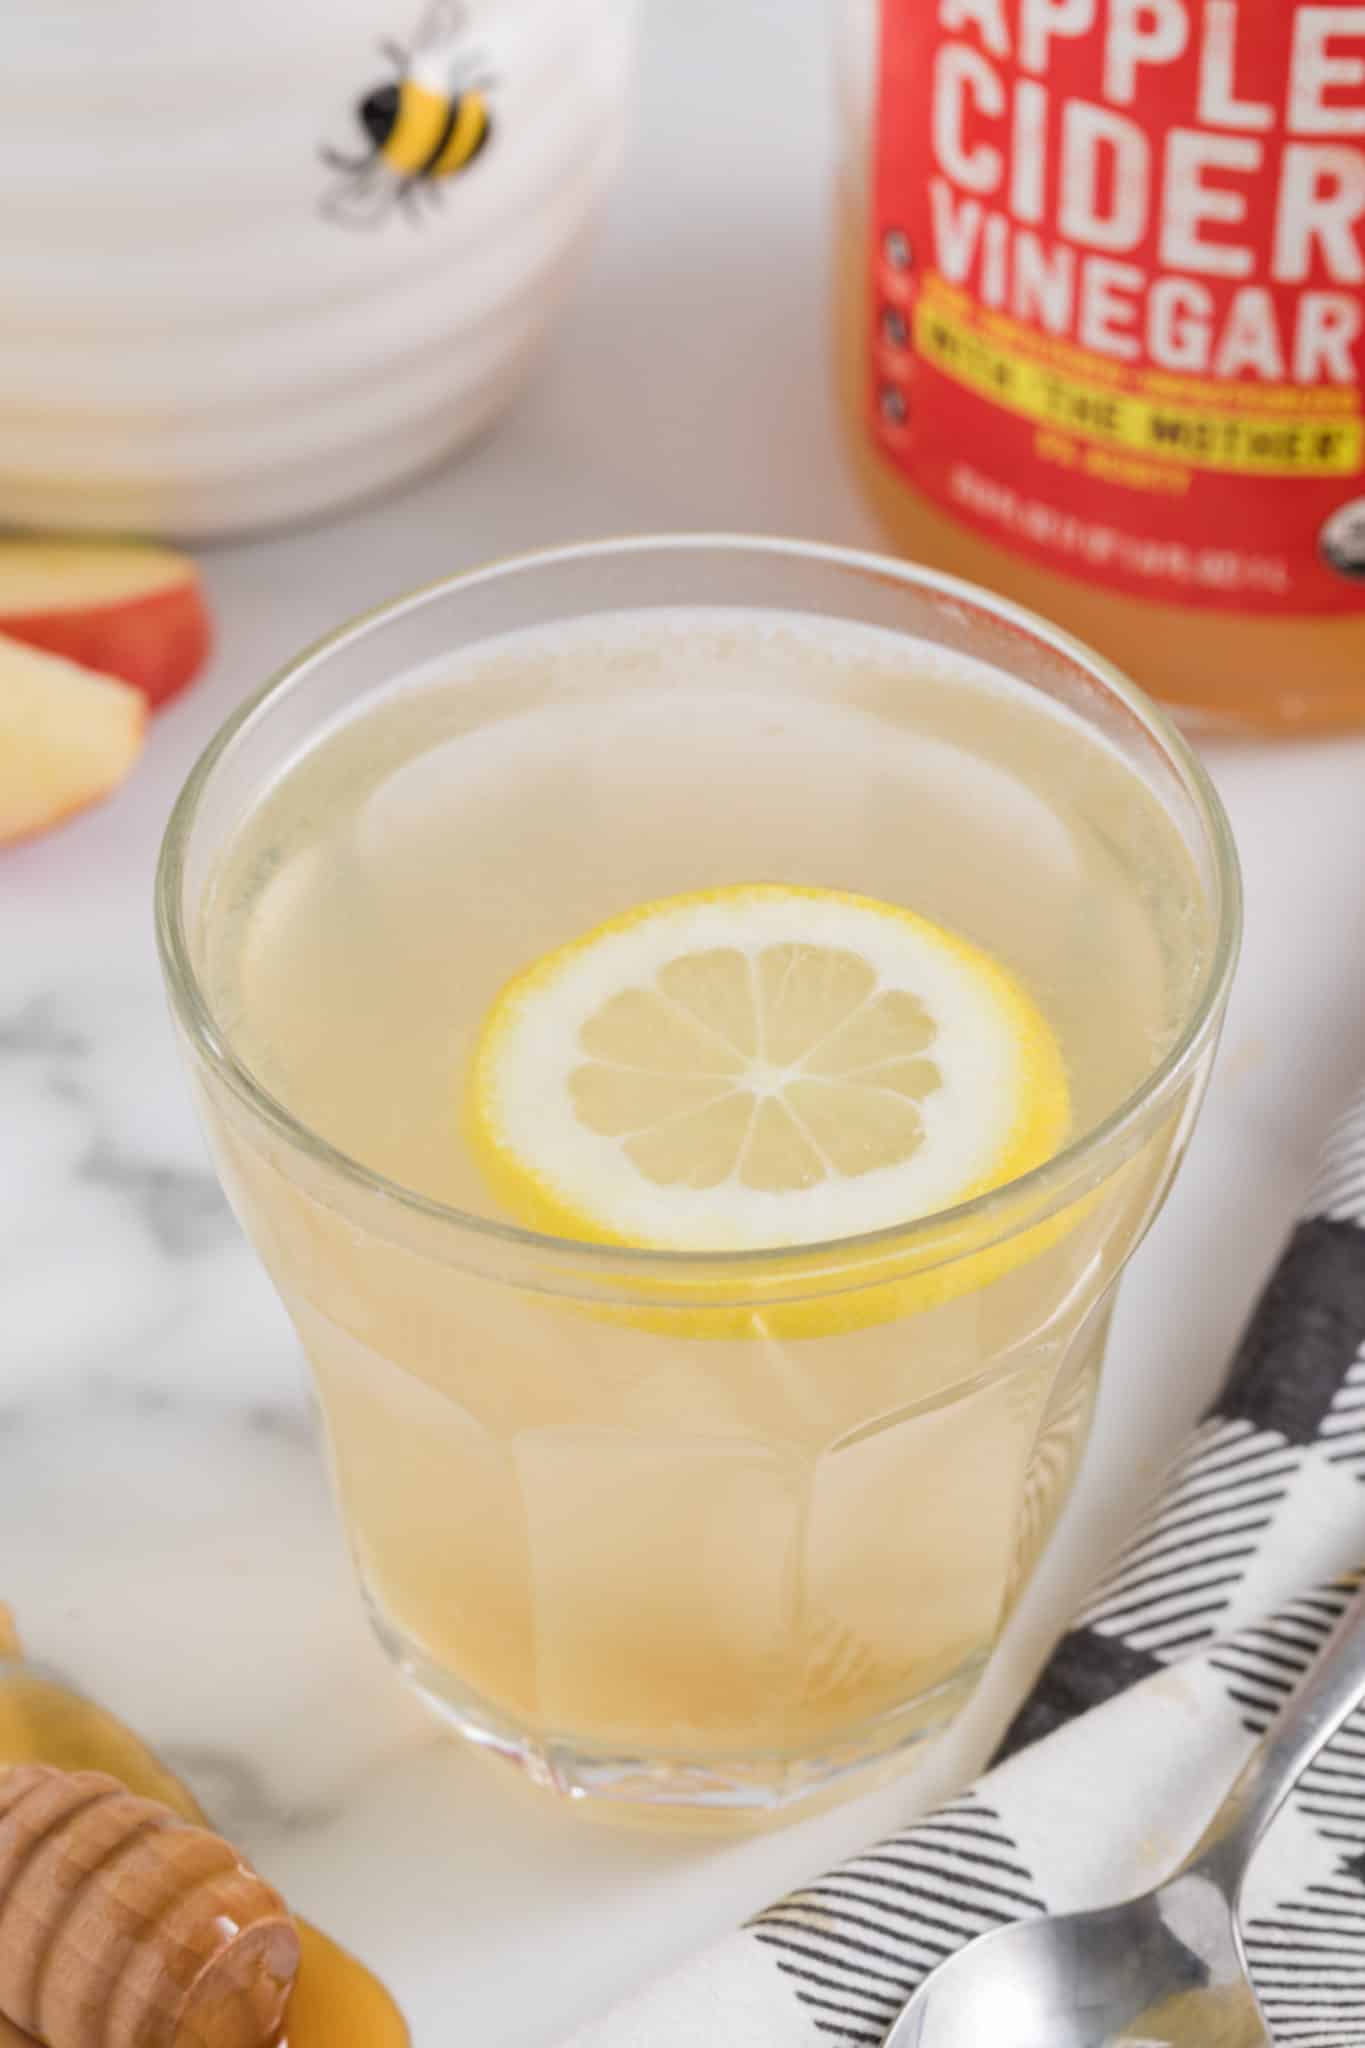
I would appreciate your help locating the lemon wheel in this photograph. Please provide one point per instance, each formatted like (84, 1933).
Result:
(761, 1067)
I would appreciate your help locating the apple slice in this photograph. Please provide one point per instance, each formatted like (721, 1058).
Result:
(119, 607)
(67, 737)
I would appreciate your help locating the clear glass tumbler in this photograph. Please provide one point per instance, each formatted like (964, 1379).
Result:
(693, 1534)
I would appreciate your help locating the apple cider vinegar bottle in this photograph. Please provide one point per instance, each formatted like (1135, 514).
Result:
(1101, 293)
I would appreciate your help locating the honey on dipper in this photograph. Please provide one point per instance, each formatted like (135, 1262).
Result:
(125, 1922)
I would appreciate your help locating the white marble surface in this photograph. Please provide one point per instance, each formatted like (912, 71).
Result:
(165, 1533)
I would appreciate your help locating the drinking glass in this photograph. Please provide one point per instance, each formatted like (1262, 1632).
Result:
(693, 1534)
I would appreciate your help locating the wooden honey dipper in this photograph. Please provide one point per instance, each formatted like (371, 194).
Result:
(124, 1926)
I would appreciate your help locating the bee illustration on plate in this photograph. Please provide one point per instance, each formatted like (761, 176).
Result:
(423, 126)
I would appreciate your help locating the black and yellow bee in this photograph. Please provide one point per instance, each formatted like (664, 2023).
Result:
(424, 125)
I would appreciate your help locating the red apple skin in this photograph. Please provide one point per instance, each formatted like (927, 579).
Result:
(157, 642)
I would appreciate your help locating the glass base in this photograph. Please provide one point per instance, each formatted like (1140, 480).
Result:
(756, 1789)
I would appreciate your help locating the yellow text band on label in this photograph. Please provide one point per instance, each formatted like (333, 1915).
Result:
(1222, 438)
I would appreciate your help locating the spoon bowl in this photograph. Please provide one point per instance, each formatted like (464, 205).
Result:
(1163, 1969)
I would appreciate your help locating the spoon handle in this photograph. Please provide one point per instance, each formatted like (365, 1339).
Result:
(1333, 1688)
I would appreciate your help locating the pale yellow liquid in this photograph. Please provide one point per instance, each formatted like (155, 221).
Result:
(600, 1534)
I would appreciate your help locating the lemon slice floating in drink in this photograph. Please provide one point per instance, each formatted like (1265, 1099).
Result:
(761, 1066)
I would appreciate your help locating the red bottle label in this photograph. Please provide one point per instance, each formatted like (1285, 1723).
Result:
(1119, 287)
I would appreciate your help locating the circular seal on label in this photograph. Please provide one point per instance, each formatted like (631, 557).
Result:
(1342, 540)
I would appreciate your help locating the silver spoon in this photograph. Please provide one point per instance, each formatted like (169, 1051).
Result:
(1164, 1970)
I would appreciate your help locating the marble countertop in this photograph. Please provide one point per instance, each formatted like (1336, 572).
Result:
(165, 1532)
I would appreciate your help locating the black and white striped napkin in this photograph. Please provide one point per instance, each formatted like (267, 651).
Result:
(1139, 1722)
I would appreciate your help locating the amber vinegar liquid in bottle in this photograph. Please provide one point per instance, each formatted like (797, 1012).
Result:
(1101, 327)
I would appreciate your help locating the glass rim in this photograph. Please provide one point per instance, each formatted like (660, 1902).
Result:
(1055, 1175)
